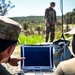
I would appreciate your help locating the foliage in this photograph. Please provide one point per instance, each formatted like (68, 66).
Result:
(70, 17)
(31, 39)
(33, 24)
(37, 39)
(25, 25)
(29, 19)
(5, 6)
(58, 35)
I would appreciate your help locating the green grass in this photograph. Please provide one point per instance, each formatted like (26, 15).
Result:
(31, 39)
(37, 39)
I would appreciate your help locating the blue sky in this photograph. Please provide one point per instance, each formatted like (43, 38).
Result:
(37, 7)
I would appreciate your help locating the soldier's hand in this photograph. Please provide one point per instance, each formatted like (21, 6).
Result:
(14, 61)
(47, 23)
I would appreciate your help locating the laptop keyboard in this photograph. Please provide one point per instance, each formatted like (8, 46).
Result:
(37, 73)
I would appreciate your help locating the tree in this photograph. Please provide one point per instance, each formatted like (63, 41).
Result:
(74, 10)
(25, 25)
(68, 17)
(5, 6)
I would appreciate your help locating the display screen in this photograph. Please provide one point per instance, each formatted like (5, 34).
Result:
(37, 56)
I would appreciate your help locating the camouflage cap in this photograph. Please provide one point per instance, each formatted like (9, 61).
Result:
(52, 3)
(9, 29)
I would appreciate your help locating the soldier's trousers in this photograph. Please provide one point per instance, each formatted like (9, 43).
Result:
(50, 30)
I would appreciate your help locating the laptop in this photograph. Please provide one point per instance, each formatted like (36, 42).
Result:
(39, 58)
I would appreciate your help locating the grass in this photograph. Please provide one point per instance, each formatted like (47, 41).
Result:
(35, 38)
(31, 39)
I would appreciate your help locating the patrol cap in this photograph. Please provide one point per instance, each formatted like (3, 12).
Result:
(52, 3)
(9, 29)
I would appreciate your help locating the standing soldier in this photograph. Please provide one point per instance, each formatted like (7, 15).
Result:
(50, 16)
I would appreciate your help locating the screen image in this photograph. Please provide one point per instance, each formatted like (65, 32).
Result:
(37, 56)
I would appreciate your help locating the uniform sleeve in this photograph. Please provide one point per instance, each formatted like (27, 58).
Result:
(59, 70)
(46, 14)
(55, 17)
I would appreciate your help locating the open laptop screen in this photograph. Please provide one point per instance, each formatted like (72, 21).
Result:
(34, 56)
(37, 57)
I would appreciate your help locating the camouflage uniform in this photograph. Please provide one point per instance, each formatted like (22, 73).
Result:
(50, 15)
(9, 30)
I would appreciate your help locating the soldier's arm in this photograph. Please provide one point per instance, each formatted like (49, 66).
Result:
(46, 14)
(59, 70)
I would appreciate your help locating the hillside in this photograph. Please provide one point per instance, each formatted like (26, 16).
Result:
(32, 19)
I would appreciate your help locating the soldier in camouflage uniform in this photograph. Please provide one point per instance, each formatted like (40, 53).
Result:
(50, 16)
(9, 33)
